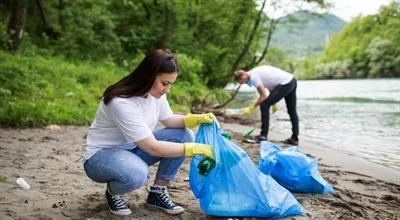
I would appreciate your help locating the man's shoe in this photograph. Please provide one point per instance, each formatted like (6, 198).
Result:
(116, 205)
(291, 141)
(159, 198)
(259, 138)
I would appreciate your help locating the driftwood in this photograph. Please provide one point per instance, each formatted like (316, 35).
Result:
(217, 109)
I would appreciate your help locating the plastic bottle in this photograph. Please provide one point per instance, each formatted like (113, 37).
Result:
(226, 135)
(22, 183)
(205, 166)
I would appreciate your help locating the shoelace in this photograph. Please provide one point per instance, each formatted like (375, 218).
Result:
(118, 202)
(165, 197)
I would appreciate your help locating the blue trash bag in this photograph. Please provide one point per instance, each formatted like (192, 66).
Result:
(292, 169)
(236, 187)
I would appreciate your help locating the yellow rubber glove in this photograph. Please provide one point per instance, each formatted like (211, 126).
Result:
(274, 108)
(248, 110)
(194, 120)
(192, 149)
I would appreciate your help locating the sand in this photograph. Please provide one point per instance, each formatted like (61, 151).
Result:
(49, 159)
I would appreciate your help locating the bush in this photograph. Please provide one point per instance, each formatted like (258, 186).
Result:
(369, 43)
(39, 91)
(382, 58)
(334, 70)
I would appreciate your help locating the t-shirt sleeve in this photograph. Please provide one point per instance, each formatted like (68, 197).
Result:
(165, 110)
(255, 79)
(129, 119)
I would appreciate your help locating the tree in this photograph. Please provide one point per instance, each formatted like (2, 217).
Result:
(48, 29)
(271, 29)
(249, 40)
(256, 60)
(370, 44)
(383, 61)
(16, 24)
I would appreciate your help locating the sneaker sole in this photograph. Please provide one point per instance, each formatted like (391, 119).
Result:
(120, 212)
(168, 211)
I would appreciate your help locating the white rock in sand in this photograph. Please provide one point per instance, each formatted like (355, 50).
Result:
(53, 127)
(22, 183)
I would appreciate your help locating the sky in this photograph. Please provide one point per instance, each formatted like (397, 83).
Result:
(349, 9)
(345, 9)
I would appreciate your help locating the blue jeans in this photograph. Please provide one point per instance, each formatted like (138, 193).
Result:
(127, 170)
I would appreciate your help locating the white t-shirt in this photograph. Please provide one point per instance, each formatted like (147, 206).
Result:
(269, 76)
(124, 121)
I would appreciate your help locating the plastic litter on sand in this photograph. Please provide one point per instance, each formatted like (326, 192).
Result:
(23, 184)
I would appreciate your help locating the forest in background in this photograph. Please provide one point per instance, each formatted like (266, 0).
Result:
(368, 47)
(57, 57)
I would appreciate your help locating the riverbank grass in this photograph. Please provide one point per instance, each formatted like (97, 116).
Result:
(37, 90)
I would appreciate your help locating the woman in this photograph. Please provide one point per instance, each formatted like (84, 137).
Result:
(121, 144)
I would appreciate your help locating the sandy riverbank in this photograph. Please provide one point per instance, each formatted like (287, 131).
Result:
(49, 160)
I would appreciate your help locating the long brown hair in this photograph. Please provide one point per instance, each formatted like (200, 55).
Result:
(141, 79)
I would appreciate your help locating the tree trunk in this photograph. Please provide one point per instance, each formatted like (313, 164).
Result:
(233, 95)
(16, 24)
(249, 41)
(146, 10)
(61, 6)
(243, 11)
(167, 25)
(255, 62)
(48, 30)
(242, 54)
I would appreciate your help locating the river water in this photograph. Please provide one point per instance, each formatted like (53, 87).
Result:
(358, 117)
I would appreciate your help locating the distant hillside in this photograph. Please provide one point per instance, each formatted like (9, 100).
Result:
(305, 33)
(368, 47)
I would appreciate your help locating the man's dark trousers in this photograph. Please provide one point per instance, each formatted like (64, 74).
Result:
(287, 91)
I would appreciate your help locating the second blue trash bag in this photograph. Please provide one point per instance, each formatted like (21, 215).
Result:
(236, 187)
(292, 169)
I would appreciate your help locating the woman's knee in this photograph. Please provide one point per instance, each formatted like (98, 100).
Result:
(134, 174)
(139, 179)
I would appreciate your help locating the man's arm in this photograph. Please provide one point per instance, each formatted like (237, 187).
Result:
(262, 95)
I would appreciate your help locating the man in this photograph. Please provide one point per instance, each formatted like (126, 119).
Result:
(280, 84)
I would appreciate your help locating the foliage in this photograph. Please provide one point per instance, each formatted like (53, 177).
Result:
(3, 178)
(277, 57)
(59, 76)
(305, 68)
(334, 70)
(116, 30)
(383, 59)
(367, 47)
(38, 91)
(3, 36)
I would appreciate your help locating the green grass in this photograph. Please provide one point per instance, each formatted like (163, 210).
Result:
(37, 90)
(2, 178)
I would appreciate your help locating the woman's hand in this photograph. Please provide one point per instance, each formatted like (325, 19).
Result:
(194, 120)
(192, 149)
